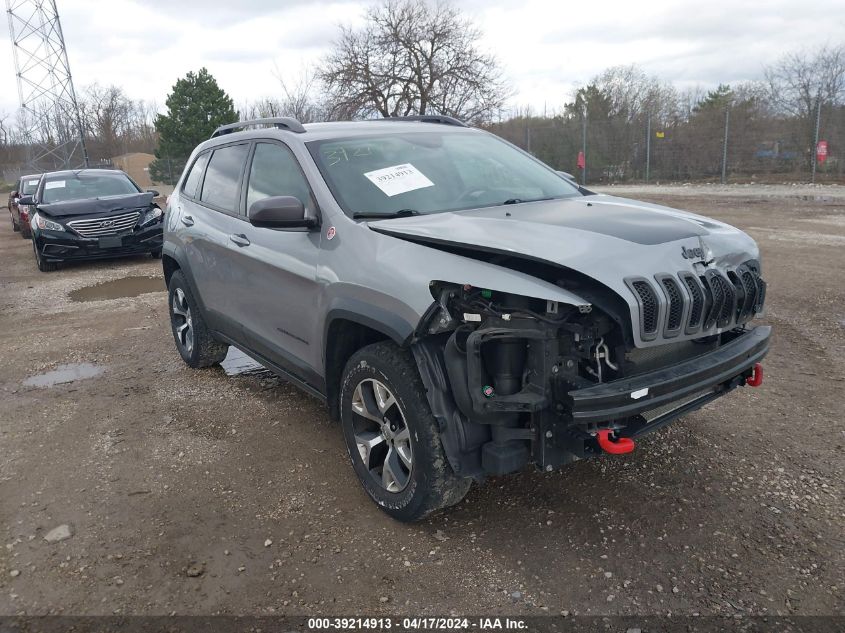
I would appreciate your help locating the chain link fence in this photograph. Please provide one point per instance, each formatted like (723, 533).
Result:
(730, 146)
(726, 146)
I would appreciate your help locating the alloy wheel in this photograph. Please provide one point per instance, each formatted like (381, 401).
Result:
(183, 325)
(382, 435)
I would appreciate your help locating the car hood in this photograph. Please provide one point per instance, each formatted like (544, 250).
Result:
(98, 206)
(603, 237)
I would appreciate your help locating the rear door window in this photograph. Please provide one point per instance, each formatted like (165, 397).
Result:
(222, 178)
(195, 175)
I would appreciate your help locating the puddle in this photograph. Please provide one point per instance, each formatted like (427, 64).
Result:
(118, 288)
(237, 363)
(64, 374)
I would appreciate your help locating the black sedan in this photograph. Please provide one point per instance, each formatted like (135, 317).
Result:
(92, 214)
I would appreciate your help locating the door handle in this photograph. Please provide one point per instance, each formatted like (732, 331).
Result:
(240, 239)
(187, 220)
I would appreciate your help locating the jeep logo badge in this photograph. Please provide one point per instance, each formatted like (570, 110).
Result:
(692, 253)
(702, 252)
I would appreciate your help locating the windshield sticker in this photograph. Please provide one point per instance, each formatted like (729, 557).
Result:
(398, 179)
(55, 184)
(31, 182)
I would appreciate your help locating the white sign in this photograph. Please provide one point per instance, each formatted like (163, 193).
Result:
(55, 184)
(398, 179)
(31, 182)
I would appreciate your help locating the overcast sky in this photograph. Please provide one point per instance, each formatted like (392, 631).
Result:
(545, 46)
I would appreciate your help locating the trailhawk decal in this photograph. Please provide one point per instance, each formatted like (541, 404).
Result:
(398, 179)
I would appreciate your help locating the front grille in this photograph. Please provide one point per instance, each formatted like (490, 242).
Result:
(676, 304)
(649, 305)
(685, 302)
(104, 227)
(696, 301)
(723, 309)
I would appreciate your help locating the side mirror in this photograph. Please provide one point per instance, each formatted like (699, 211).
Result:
(27, 200)
(282, 212)
(155, 193)
(567, 176)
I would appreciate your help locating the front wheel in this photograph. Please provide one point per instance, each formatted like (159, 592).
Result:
(43, 265)
(391, 436)
(197, 347)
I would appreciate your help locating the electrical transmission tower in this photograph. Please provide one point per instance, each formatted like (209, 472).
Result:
(49, 116)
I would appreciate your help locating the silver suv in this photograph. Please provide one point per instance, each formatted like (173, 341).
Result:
(462, 308)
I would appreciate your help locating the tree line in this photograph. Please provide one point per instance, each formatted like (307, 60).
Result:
(420, 57)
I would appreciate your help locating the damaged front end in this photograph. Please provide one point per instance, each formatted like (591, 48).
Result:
(514, 380)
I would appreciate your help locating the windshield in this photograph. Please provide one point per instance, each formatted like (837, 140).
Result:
(431, 172)
(86, 186)
(29, 185)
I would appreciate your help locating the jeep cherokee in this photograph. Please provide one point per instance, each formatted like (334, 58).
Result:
(462, 308)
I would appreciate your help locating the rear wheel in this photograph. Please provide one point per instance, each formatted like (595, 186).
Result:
(43, 265)
(194, 341)
(391, 436)
(15, 226)
(156, 254)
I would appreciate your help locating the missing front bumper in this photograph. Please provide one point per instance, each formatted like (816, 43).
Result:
(629, 397)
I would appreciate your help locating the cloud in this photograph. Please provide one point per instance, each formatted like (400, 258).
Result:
(545, 47)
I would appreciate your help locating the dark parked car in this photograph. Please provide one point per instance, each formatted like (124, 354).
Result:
(92, 214)
(20, 213)
(463, 310)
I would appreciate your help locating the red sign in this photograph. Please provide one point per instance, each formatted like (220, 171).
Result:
(821, 152)
(581, 161)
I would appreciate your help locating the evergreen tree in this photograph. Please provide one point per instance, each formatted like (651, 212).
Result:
(195, 108)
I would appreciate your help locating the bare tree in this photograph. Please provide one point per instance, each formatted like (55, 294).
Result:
(413, 57)
(798, 81)
(107, 114)
(802, 85)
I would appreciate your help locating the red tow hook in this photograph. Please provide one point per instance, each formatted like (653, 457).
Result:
(619, 446)
(756, 377)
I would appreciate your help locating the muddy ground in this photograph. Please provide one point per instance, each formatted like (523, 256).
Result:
(195, 492)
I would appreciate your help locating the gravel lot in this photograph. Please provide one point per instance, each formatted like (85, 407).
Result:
(194, 492)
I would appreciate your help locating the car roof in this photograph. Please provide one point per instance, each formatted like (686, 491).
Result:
(339, 129)
(67, 173)
(31, 176)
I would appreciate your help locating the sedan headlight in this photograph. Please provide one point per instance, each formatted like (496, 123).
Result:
(46, 225)
(151, 216)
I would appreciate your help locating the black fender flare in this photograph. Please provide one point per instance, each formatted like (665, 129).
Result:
(168, 249)
(388, 323)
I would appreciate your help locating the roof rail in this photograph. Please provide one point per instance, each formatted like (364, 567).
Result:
(442, 119)
(282, 122)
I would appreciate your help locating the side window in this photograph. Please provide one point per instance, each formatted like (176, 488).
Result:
(194, 176)
(276, 172)
(220, 186)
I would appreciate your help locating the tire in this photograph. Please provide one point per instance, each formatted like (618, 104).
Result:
(43, 265)
(197, 347)
(15, 225)
(401, 432)
(156, 254)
